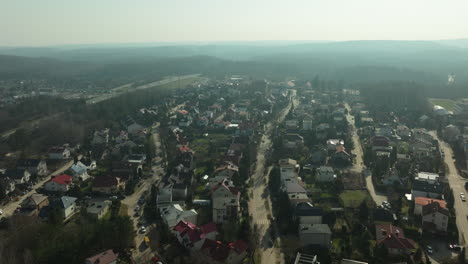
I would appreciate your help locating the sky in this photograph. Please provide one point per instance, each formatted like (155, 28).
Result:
(58, 22)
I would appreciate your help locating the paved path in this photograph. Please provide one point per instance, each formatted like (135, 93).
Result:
(9, 208)
(358, 166)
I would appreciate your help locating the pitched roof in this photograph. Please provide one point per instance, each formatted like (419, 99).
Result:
(393, 237)
(105, 257)
(307, 209)
(216, 250)
(434, 207)
(37, 198)
(239, 246)
(226, 184)
(424, 201)
(292, 187)
(65, 201)
(105, 181)
(28, 162)
(63, 179)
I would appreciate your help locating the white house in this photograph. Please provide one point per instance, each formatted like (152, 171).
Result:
(435, 217)
(68, 205)
(60, 183)
(428, 177)
(325, 174)
(225, 197)
(80, 171)
(174, 213)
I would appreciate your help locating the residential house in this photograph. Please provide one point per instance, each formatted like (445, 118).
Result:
(306, 213)
(171, 193)
(67, 205)
(98, 209)
(79, 171)
(89, 163)
(315, 234)
(403, 132)
(325, 174)
(291, 124)
(318, 157)
(321, 131)
(215, 252)
(341, 157)
(107, 184)
(32, 205)
(289, 170)
(422, 188)
(133, 128)
(381, 143)
(394, 239)
(333, 143)
(19, 176)
(420, 202)
(428, 177)
(307, 122)
(296, 193)
(292, 141)
(226, 202)
(100, 137)
(60, 183)
(435, 217)
(59, 153)
(106, 257)
(191, 236)
(174, 213)
(391, 177)
(34, 166)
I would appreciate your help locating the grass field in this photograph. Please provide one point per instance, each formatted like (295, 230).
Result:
(449, 105)
(354, 198)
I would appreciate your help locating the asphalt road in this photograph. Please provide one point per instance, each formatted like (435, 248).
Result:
(143, 254)
(457, 183)
(260, 202)
(358, 166)
(10, 208)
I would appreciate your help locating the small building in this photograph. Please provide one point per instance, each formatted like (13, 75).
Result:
(107, 184)
(59, 153)
(19, 176)
(98, 209)
(174, 213)
(79, 171)
(32, 205)
(325, 174)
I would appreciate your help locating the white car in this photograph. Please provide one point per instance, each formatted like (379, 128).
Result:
(142, 230)
(1, 212)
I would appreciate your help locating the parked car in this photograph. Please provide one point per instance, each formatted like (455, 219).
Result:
(462, 197)
(1, 212)
(142, 230)
(137, 208)
(114, 198)
(454, 247)
(429, 250)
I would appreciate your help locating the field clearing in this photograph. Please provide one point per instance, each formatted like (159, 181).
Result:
(449, 105)
(352, 199)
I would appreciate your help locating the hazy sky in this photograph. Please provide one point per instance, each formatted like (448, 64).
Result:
(50, 22)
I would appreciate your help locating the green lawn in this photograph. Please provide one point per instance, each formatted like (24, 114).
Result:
(352, 199)
(449, 105)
